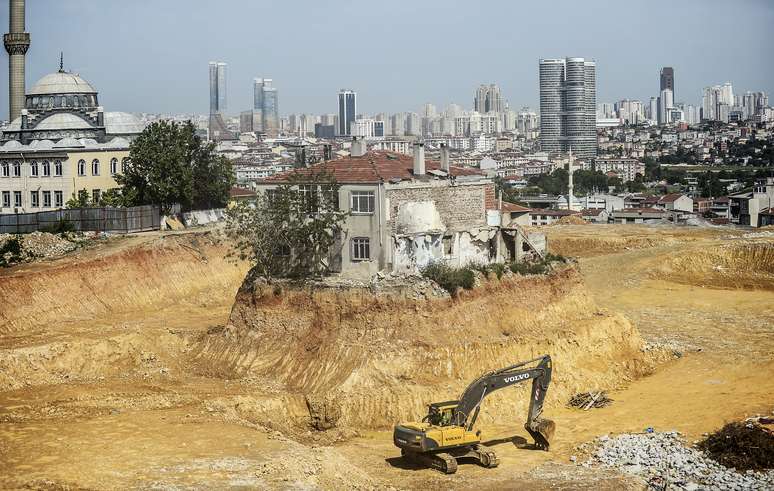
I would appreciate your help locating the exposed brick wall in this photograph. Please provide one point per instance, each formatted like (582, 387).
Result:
(490, 200)
(460, 207)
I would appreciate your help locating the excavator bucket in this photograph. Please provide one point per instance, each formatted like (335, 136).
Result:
(542, 432)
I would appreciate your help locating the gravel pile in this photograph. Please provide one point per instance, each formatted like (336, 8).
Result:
(35, 245)
(664, 461)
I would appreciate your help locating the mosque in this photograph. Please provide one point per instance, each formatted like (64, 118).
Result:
(60, 141)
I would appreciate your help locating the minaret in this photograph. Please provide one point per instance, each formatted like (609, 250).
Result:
(17, 42)
(570, 197)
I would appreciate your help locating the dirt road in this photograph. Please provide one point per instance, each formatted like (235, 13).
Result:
(104, 399)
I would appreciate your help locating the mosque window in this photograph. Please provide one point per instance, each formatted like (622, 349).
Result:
(6, 169)
(76, 101)
(69, 101)
(35, 101)
(58, 168)
(81, 167)
(58, 101)
(16, 169)
(113, 166)
(95, 167)
(34, 169)
(46, 169)
(51, 101)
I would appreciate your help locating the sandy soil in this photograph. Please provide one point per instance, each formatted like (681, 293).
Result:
(99, 391)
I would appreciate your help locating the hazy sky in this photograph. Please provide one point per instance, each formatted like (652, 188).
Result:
(151, 55)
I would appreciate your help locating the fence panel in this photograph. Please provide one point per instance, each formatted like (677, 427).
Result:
(115, 220)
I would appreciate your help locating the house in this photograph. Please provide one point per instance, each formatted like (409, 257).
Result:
(721, 207)
(638, 215)
(766, 217)
(745, 207)
(595, 215)
(513, 214)
(548, 217)
(405, 212)
(702, 205)
(237, 194)
(675, 202)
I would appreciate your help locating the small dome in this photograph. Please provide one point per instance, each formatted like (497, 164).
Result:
(12, 145)
(63, 121)
(61, 83)
(117, 142)
(41, 144)
(119, 123)
(88, 142)
(68, 143)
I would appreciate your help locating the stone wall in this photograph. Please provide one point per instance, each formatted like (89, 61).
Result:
(460, 207)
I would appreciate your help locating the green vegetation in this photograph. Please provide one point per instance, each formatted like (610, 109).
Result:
(169, 164)
(290, 231)
(449, 277)
(10, 251)
(61, 226)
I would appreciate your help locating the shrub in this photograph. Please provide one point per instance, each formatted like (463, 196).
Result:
(60, 227)
(450, 278)
(554, 257)
(529, 268)
(11, 251)
(498, 269)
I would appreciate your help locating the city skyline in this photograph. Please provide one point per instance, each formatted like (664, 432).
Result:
(626, 67)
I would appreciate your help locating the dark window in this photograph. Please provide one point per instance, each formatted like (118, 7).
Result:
(309, 197)
(34, 199)
(46, 199)
(113, 166)
(95, 194)
(17, 199)
(448, 247)
(34, 169)
(362, 202)
(6, 169)
(6, 199)
(58, 168)
(95, 167)
(58, 199)
(46, 169)
(81, 167)
(361, 249)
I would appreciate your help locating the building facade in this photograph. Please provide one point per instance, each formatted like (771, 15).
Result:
(347, 111)
(568, 106)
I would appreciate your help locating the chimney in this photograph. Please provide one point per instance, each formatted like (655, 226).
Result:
(419, 159)
(445, 157)
(100, 116)
(358, 148)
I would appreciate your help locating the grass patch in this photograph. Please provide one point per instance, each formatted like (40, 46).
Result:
(449, 277)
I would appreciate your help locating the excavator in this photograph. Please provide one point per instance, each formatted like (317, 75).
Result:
(446, 433)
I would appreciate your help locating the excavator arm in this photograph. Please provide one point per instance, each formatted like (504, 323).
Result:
(466, 412)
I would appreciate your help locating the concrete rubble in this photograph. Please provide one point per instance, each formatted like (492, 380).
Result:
(39, 245)
(663, 460)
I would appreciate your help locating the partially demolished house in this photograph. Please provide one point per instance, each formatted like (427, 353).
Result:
(406, 212)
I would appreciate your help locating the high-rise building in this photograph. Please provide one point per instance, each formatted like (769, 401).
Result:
(218, 102)
(265, 103)
(488, 99)
(568, 103)
(347, 111)
(666, 103)
(667, 77)
(714, 97)
(653, 109)
(17, 42)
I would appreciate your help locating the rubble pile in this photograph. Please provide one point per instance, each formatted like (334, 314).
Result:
(35, 245)
(742, 445)
(664, 461)
(588, 400)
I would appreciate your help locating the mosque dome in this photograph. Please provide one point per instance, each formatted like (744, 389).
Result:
(63, 121)
(120, 123)
(61, 82)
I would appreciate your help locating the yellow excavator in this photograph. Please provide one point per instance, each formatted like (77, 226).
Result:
(446, 433)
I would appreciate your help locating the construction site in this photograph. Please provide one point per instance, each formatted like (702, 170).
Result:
(155, 361)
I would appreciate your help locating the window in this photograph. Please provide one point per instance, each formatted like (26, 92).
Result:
(34, 169)
(448, 245)
(6, 169)
(95, 167)
(34, 199)
(17, 169)
(308, 197)
(46, 199)
(362, 202)
(58, 168)
(6, 199)
(58, 199)
(361, 249)
(17, 199)
(95, 196)
(46, 169)
(81, 167)
(113, 166)
(124, 164)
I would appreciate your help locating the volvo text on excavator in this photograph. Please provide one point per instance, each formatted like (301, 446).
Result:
(446, 433)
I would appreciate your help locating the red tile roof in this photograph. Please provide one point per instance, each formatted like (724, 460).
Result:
(237, 192)
(592, 212)
(513, 207)
(670, 198)
(554, 213)
(373, 167)
(641, 210)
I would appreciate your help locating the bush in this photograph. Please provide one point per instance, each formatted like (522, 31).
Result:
(529, 268)
(450, 278)
(11, 251)
(498, 269)
(554, 257)
(60, 227)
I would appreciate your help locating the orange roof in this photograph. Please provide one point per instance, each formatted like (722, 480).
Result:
(237, 192)
(670, 198)
(373, 167)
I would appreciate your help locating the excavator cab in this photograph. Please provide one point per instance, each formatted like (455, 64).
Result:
(441, 413)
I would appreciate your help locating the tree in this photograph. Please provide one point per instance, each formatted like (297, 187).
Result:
(169, 164)
(80, 200)
(289, 231)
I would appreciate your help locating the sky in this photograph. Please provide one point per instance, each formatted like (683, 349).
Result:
(152, 55)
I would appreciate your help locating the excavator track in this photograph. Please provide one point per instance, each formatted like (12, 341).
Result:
(486, 457)
(443, 462)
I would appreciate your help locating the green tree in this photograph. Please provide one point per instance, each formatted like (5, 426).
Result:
(80, 200)
(169, 164)
(289, 231)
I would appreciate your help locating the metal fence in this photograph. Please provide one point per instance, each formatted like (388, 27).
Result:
(116, 220)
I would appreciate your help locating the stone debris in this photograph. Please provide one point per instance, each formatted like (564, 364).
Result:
(665, 463)
(36, 245)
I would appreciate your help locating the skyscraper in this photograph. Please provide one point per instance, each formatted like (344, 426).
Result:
(17, 42)
(568, 119)
(488, 99)
(347, 110)
(666, 102)
(218, 104)
(667, 79)
(266, 106)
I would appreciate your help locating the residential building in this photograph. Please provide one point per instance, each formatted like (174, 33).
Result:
(548, 217)
(595, 215)
(625, 168)
(568, 106)
(488, 99)
(638, 215)
(746, 207)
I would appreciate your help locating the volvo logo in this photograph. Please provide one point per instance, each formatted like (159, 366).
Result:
(516, 378)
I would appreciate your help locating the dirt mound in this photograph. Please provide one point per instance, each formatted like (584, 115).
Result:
(571, 220)
(742, 446)
(371, 360)
(747, 265)
(592, 245)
